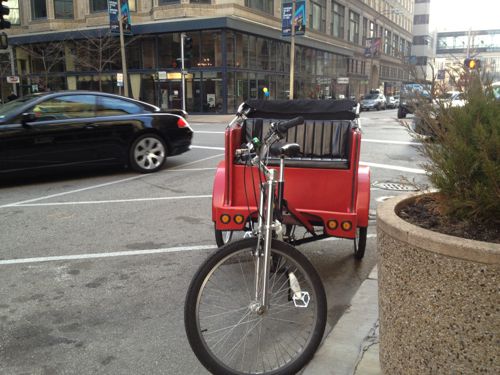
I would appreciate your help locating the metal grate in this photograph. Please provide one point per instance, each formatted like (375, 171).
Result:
(395, 186)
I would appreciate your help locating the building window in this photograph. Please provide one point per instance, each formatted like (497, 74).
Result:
(13, 16)
(63, 8)
(353, 27)
(318, 15)
(263, 5)
(164, 2)
(387, 42)
(421, 19)
(338, 14)
(98, 5)
(38, 9)
(364, 32)
(200, 1)
(421, 40)
(421, 60)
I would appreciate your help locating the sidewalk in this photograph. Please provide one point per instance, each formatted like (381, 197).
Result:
(351, 348)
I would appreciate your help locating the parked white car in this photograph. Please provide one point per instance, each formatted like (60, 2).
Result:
(452, 99)
(391, 102)
(373, 101)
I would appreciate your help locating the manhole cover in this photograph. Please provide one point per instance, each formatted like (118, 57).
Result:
(394, 186)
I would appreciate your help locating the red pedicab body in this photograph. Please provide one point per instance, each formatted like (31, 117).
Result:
(324, 187)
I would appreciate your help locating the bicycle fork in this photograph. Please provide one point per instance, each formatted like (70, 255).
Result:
(265, 231)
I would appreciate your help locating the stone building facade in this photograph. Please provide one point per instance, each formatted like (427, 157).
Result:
(238, 49)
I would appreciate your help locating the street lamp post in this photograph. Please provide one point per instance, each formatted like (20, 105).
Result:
(122, 50)
(183, 71)
(292, 50)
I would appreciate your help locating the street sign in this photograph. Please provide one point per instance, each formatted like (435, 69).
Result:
(119, 79)
(343, 80)
(162, 76)
(13, 79)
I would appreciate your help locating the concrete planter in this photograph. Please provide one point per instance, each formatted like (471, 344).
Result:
(438, 299)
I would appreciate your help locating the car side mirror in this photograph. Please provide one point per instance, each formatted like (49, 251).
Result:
(27, 117)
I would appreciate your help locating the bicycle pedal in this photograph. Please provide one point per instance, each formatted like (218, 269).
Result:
(301, 299)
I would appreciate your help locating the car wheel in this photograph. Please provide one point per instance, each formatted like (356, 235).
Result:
(148, 153)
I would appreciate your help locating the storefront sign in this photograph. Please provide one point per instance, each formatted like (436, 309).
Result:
(299, 19)
(162, 76)
(119, 79)
(343, 80)
(13, 79)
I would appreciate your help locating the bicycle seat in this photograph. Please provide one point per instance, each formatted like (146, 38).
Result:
(289, 150)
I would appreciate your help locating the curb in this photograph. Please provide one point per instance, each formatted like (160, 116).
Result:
(351, 348)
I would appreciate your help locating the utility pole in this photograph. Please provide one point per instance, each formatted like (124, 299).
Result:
(122, 49)
(292, 51)
(183, 72)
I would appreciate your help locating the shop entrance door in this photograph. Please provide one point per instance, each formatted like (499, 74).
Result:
(170, 94)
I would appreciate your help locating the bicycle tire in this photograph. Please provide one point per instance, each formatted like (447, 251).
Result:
(268, 339)
(360, 242)
(224, 237)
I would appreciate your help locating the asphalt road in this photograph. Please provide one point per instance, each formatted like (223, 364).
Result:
(129, 245)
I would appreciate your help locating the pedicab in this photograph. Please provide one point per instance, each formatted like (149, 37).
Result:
(327, 192)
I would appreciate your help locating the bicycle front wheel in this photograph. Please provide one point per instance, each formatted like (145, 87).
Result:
(227, 333)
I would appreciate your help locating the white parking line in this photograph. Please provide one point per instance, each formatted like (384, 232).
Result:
(390, 142)
(362, 140)
(106, 255)
(393, 167)
(124, 253)
(208, 148)
(174, 169)
(207, 132)
(114, 201)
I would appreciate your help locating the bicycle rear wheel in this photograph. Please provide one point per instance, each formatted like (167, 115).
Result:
(226, 333)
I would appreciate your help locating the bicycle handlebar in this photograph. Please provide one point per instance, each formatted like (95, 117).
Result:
(283, 126)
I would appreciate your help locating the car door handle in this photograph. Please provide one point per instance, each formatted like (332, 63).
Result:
(90, 127)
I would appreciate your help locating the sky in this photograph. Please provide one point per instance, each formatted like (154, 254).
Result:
(459, 15)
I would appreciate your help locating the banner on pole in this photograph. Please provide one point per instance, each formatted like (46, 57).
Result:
(299, 20)
(372, 47)
(113, 16)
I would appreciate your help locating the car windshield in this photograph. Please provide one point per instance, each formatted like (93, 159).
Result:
(448, 96)
(416, 89)
(371, 96)
(12, 107)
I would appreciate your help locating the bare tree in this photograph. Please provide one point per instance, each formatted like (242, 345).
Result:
(46, 57)
(98, 52)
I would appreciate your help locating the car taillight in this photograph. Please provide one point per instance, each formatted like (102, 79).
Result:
(181, 123)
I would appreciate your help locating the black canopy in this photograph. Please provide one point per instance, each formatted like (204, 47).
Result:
(310, 109)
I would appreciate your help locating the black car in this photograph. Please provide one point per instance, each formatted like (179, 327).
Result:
(70, 128)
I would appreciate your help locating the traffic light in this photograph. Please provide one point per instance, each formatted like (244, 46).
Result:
(188, 51)
(4, 11)
(188, 47)
(472, 64)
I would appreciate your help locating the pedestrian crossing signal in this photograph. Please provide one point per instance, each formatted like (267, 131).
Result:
(472, 64)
